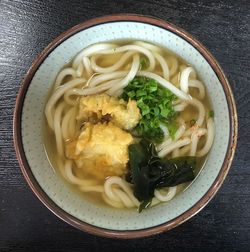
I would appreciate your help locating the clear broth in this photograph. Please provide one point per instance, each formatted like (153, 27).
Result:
(49, 138)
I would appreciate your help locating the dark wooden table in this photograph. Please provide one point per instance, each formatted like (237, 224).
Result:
(26, 27)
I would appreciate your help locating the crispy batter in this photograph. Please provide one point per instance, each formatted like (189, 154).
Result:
(101, 150)
(122, 114)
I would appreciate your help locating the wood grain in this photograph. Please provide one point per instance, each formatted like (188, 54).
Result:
(26, 27)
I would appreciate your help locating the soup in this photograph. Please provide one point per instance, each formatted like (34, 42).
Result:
(128, 123)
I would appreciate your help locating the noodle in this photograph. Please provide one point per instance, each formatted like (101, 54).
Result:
(87, 75)
(112, 68)
(165, 84)
(65, 72)
(161, 194)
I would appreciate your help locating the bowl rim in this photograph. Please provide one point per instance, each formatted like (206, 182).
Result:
(125, 234)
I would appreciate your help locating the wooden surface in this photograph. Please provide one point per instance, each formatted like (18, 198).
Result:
(26, 27)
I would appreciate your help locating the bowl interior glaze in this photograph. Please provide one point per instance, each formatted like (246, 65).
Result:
(50, 188)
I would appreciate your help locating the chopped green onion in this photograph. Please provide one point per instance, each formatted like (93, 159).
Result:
(155, 103)
(143, 63)
(172, 128)
(192, 122)
(211, 114)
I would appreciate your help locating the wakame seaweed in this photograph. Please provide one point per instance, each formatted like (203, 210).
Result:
(149, 172)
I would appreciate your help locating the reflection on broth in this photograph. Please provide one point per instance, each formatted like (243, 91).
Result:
(128, 123)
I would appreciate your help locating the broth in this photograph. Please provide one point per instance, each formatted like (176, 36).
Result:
(67, 167)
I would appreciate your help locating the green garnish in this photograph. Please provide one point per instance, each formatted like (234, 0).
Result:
(192, 122)
(155, 103)
(145, 204)
(149, 172)
(172, 128)
(211, 114)
(143, 63)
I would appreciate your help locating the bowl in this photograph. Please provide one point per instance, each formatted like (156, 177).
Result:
(49, 187)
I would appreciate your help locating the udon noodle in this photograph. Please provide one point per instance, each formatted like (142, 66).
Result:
(108, 68)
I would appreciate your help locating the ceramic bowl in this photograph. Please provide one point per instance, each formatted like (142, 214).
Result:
(29, 117)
